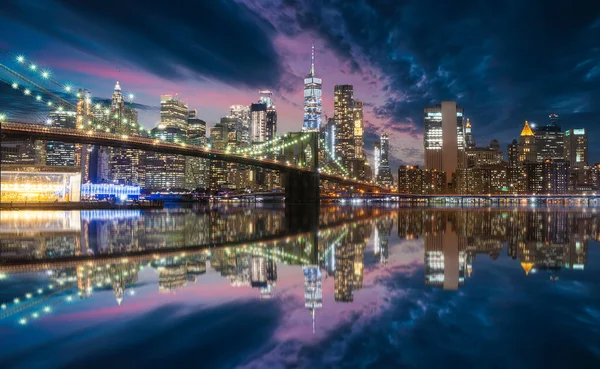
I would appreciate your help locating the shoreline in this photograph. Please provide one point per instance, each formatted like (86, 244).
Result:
(82, 205)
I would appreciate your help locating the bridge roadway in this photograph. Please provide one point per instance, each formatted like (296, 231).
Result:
(80, 136)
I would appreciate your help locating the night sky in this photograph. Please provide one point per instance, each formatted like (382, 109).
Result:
(503, 61)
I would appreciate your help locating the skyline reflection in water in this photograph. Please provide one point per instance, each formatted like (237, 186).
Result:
(61, 272)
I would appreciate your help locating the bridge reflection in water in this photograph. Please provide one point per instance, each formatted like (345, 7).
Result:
(85, 252)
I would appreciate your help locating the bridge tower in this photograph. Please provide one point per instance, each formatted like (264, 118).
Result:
(302, 187)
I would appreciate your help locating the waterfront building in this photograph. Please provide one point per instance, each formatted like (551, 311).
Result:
(417, 181)
(444, 138)
(312, 98)
(484, 156)
(556, 176)
(534, 177)
(39, 183)
(480, 180)
(576, 147)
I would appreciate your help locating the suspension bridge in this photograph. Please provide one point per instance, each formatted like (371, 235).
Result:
(301, 172)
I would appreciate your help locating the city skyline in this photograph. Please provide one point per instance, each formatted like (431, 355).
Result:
(394, 78)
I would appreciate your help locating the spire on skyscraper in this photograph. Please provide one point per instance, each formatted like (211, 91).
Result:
(117, 87)
(312, 60)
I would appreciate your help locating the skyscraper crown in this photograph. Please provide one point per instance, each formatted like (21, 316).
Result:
(526, 130)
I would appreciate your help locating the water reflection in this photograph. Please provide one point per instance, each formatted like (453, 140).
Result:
(51, 262)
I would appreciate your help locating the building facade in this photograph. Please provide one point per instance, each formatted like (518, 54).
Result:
(576, 147)
(444, 142)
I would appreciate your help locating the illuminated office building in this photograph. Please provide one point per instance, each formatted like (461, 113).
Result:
(469, 140)
(416, 181)
(312, 98)
(484, 156)
(549, 140)
(23, 151)
(527, 147)
(384, 173)
(344, 123)
(576, 147)
(173, 112)
(117, 110)
(555, 176)
(258, 125)
(61, 153)
(196, 169)
(376, 158)
(359, 131)
(242, 112)
(444, 138)
(164, 170)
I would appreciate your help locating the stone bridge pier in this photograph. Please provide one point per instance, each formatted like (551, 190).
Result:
(302, 187)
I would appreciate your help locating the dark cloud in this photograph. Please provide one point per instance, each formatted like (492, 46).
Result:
(503, 62)
(216, 39)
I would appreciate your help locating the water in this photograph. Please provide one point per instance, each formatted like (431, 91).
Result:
(347, 287)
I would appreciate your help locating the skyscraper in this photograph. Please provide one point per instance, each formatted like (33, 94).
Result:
(469, 140)
(376, 158)
(173, 112)
(312, 98)
(165, 170)
(271, 123)
(576, 147)
(384, 174)
(359, 136)
(513, 154)
(61, 153)
(117, 109)
(242, 112)
(549, 140)
(196, 169)
(258, 119)
(344, 122)
(527, 147)
(444, 138)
